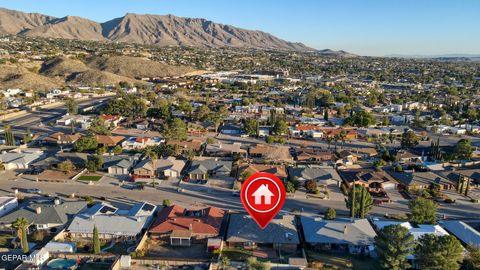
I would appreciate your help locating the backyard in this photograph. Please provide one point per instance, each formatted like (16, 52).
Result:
(341, 261)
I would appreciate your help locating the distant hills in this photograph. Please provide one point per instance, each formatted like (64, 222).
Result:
(163, 30)
(443, 57)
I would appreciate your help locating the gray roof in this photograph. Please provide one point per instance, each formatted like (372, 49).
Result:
(210, 165)
(317, 174)
(281, 230)
(50, 213)
(463, 231)
(115, 222)
(118, 161)
(419, 178)
(20, 158)
(340, 231)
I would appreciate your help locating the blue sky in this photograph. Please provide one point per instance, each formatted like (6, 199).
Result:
(366, 27)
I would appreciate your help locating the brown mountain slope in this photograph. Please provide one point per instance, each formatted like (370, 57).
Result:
(171, 30)
(161, 30)
(14, 22)
(69, 27)
(76, 72)
(135, 67)
(14, 76)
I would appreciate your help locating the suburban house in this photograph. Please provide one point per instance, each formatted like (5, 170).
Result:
(224, 149)
(7, 204)
(405, 156)
(108, 141)
(20, 159)
(307, 131)
(314, 154)
(144, 169)
(111, 120)
(280, 234)
(230, 129)
(182, 226)
(324, 176)
(421, 180)
(466, 231)
(82, 121)
(51, 215)
(189, 145)
(141, 142)
(57, 138)
(246, 169)
(274, 153)
(374, 181)
(343, 235)
(170, 167)
(118, 165)
(203, 169)
(111, 222)
(350, 134)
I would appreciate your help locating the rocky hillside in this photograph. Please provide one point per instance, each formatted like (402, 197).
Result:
(163, 30)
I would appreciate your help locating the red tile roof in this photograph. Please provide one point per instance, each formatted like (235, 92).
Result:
(175, 218)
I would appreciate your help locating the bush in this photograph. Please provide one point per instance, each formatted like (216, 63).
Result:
(166, 203)
(331, 214)
(448, 200)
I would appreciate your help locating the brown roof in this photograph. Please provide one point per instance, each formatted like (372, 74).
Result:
(109, 140)
(61, 137)
(278, 170)
(206, 220)
(190, 144)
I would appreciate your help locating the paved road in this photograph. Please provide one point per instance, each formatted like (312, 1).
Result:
(32, 120)
(108, 188)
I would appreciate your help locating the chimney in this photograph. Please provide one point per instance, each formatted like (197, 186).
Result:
(56, 201)
(190, 228)
(38, 210)
(345, 229)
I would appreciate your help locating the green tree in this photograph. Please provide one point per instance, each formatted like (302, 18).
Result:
(472, 260)
(94, 163)
(251, 126)
(361, 119)
(117, 150)
(88, 143)
(393, 244)
(71, 106)
(203, 112)
(290, 187)
(167, 203)
(21, 225)
(66, 166)
(330, 214)
(9, 137)
(280, 127)
(361, 200)
(98, 127)
(96, 241)
(409, 139)
(438, 252)
(176, 129)
(423, 211)
(27, 137)
(463, 149)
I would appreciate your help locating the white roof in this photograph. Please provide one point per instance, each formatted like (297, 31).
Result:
(415, 231)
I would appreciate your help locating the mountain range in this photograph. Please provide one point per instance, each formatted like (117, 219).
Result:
(163, 30)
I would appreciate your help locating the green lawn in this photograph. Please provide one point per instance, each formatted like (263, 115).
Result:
(343, 261)
(236, 254)
(89, 178)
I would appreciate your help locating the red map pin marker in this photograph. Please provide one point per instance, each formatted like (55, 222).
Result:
(263, 195)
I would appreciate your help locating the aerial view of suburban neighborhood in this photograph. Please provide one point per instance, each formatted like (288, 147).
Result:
(126, 139)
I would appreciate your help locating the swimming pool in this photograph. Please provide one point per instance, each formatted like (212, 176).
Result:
(62, 264)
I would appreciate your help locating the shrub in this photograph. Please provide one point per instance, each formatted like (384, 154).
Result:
(331, 214)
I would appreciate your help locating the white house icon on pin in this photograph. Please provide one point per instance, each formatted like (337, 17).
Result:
(263, 191)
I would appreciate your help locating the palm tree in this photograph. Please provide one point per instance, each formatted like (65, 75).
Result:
(21, 225)
(342, 136)
(153, 157)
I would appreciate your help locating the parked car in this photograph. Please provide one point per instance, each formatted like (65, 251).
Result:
(33, 190)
